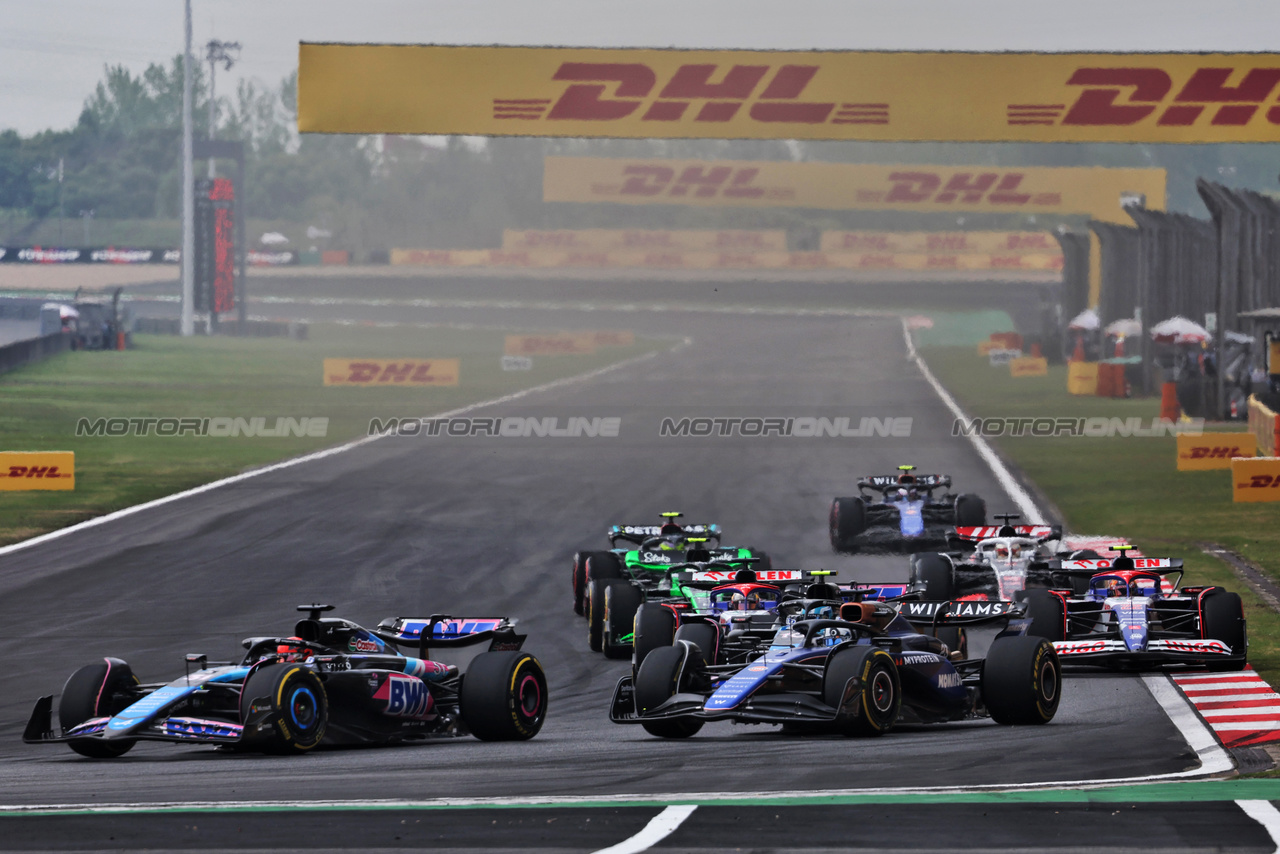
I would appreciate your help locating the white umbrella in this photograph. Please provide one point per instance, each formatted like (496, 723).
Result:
(1120, 328)
(1239, 337)
(64, 310)
(1087, 319)
(1179, 330)
(273, 238)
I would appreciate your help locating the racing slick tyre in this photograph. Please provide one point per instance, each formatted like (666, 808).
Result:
(1223, 619)
(602, 565)
(96, 691)
(702, 635)
(1080, 584)
(1048, 619)
(1021, 680)
(655, 627)
(289, 705)
(656, 682)
(848, 519)
(879, 692)
(971, 511)
(595, 612)
(932, 572)
(621, 601)
(504, 696)
(580, 577)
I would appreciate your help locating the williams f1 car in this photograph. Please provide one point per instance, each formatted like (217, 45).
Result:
(906, 517)
(332, 682)
(1127, 618)
(858, 671)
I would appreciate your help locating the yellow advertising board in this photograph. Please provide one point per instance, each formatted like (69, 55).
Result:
(21, 471)
(1082, 378)
(1213, 450)
(1264, 424)
(756, 94)
(391, 372)
(550, 344)
(970, 242)
(1029, 366)
(1255, 479)
(762, 240)
(852, 186)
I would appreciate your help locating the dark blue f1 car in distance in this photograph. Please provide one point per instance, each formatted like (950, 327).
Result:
(858, 668)
(333, 682)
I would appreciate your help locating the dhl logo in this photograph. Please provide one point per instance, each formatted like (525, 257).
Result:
(1118, 97)
(391, 372)
(549, 345)
(1260, 481)
(697, 92)
(36, 471)
(21, 471)
(968, 188)
(1215, 452)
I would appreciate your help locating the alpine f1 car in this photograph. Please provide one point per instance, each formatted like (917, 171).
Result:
(859, 671)
(1127, 618)
(332, 682)
(907, 516)
(991, 562)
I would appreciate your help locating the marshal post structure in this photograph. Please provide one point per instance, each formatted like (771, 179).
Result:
(745, 94)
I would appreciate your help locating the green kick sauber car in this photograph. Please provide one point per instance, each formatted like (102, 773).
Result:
(608, 586)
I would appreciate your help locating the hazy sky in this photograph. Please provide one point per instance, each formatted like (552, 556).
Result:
(52, 51)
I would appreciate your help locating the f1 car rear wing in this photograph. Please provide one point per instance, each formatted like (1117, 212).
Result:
(704, 575)
(444, 631)
(905, 480)
(972, 534)
(959, 613)
(637, 534)
(875, 591)
(1089, 567)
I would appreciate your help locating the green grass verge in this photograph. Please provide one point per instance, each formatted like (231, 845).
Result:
(1126, 486)
(220, 377)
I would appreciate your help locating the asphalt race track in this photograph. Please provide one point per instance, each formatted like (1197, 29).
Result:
(410, 526)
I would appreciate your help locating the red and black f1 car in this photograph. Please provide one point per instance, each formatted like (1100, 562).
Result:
(332, 682)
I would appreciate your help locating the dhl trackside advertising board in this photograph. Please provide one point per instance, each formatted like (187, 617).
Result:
(1255, 479)
(391, 372)
(21, 471)
(1213, 450)
(550, 344)
(850, 186)
(1029, 366)
(774, 240)
(752, 94)
(936, 242)
(726, 260)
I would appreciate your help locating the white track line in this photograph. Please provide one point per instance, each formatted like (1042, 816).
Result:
(1214, 758)
(1265, 814)
(318, 455)
(659, 828)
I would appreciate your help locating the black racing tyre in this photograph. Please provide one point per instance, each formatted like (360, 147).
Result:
(704, 636)
(971, 511)
(602, 565)
(1223, 619)
(655, 627)
(595, 612)
(880, 690)
(1021, 680)
(580, 577)
(504, 696)
(1080, 583)
(933, 572)
(620, 603)
(848, 519)
(291, 706)
(1048, 618)
(97, 690)
(656, 682)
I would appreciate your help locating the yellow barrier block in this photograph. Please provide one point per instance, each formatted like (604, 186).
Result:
(1029, 366)
(23, 471)
(552, 344)
(391, 372)
(1082, 378)
(1255, 479)
(985, 347)
(1213, 450)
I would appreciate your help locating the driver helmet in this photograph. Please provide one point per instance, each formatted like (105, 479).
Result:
(294, 651)
(902, 495)
(1002, 551)
(738, 602)
(1115, 587)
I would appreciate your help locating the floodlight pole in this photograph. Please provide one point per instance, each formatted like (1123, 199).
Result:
(188, 188)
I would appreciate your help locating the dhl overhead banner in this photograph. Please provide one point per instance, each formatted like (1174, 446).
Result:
(741, 94)
(753, 240)
(850, 186)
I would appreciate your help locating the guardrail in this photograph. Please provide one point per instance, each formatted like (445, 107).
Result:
(32, 350)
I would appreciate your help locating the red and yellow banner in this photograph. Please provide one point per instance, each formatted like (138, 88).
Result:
(1255, 479)
(22, 471)
(753, 94)
(1213, 450)
(851, 186)
(391, 372)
